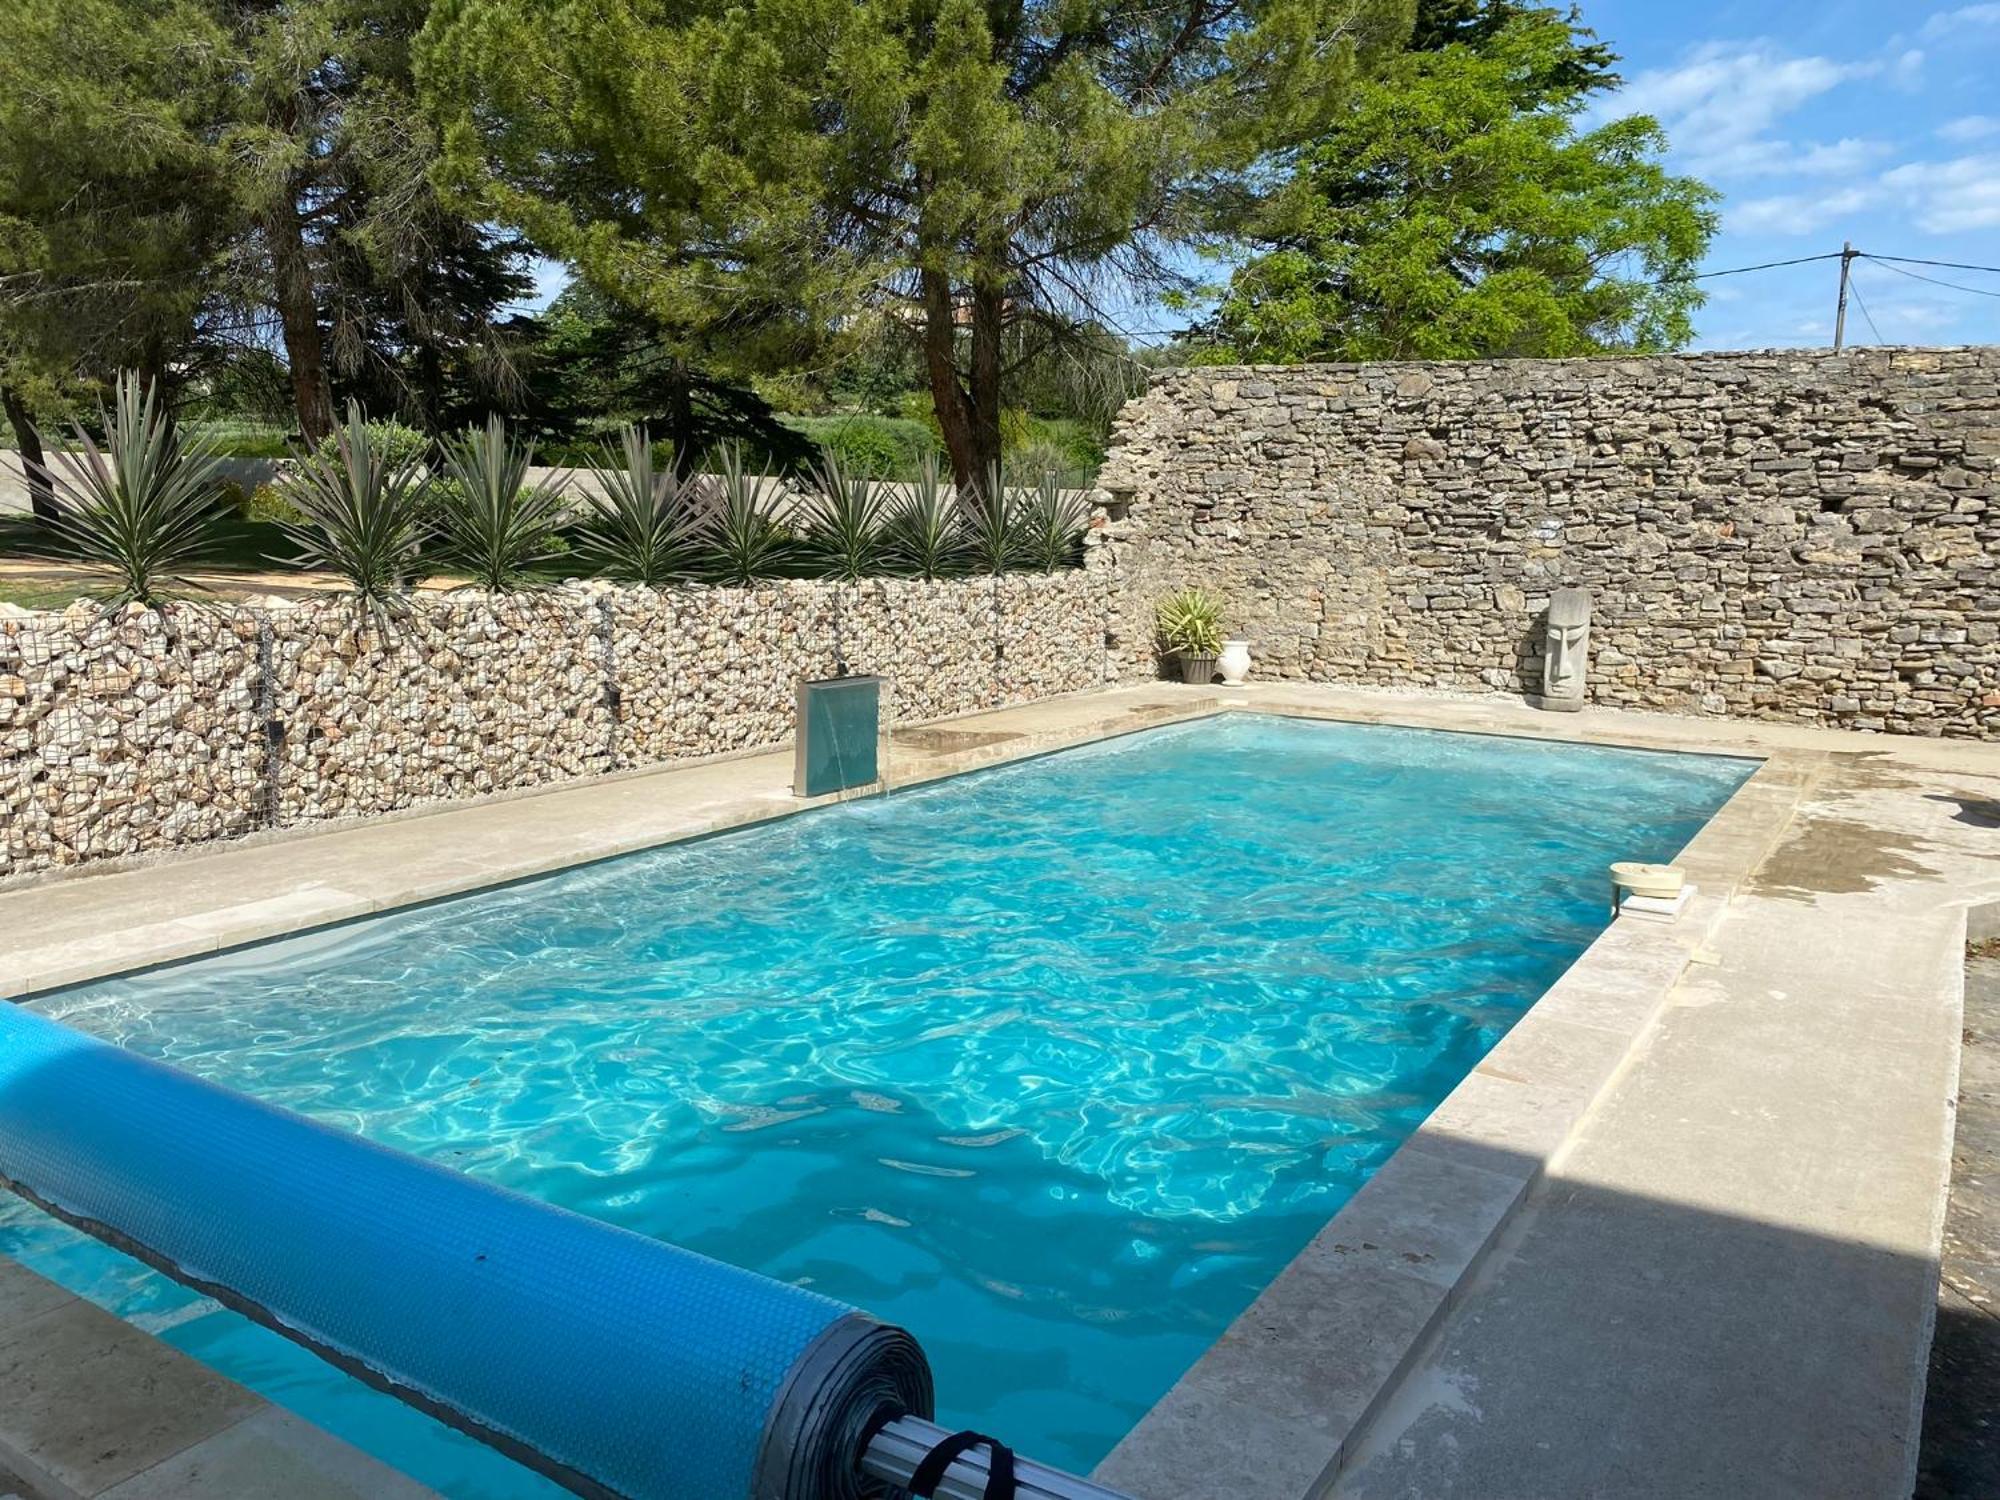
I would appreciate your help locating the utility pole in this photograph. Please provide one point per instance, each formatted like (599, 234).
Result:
(1847, 254)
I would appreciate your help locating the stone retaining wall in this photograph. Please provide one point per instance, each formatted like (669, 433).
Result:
(148, 729)
(1806, 536)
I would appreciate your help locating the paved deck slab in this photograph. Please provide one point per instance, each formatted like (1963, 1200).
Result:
(91, 1407)
(1723, 1284)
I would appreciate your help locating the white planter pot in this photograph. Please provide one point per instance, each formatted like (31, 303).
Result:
(1234, 661)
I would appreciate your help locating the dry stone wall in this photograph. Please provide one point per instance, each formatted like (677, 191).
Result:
(1805, 536)
(141, 730)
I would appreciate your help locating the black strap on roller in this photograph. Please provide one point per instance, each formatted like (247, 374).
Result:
(999, 1470)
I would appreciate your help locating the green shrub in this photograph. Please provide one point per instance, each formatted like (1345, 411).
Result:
(846, 516)
(363, 510)
(742, 539)
(268, 503)
(145, 506)
(232, 437)
(493, 523)
(1189, 623)
(990, 525)
(1051, 520)
(1039, 460)
(918, 407)
(395, 444)
(1068, 447)
(874, 447)
(924, 535)
(642, 527)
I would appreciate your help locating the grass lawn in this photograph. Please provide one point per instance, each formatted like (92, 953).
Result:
(30, 594)
(240, 546)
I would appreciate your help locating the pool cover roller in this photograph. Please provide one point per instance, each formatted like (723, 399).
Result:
(615, 1363)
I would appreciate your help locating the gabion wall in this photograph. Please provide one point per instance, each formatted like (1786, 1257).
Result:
(1806, 536)
(128, 732)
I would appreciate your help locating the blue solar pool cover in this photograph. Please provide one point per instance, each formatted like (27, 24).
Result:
(648, 1369)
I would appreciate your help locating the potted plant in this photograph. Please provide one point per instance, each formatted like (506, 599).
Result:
(1190, 629)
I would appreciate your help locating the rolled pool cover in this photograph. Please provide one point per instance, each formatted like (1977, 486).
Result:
(614, 1363)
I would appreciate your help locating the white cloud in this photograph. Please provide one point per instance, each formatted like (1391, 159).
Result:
(1727, 93)
(1906, 321)
(1721, 103)
(1949, 196)
(1969, 128)
(1948, 23)
(1840, 159)
(1796, 213)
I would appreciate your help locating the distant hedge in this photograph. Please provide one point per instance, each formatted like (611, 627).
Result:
(889, 447)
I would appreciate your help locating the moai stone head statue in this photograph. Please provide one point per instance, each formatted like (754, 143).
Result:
(1566, 655)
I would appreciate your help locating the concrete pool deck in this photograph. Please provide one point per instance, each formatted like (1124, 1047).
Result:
(1677, 1234)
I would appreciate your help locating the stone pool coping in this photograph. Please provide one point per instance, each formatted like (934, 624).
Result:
(1377, 1281)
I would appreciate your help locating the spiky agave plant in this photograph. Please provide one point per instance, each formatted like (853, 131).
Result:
(495, 524)
(846, 518)
(989, 524)
(642, 526)
(363, 512)
(1052, 522)
(924, 537)
(742, 537)
(144, 505)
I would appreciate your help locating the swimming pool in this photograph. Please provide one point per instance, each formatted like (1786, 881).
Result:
(1056, 1065)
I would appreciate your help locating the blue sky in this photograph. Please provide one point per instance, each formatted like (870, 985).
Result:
(1876, 121)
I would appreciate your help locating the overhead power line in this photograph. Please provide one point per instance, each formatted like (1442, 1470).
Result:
(1764, 266)
(1956, 286)
(1949, 265)
(1854, 285)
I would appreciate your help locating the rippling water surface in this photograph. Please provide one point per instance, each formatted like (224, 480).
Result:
(1055, 1065)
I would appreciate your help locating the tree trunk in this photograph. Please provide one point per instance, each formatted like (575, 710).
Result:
(298, 312)
(948, 397)
(430, 377)
(989, 311)
(41, 492)
(680, 417)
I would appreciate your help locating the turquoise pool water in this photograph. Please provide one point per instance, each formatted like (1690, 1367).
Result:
(1056, 1065)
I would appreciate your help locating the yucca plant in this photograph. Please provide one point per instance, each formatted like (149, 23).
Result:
(495, 525)
(846, 519)
(364, 511)
(742, 538)
(144, 505)
(1189, 622)
(924, 536)
(989, 519)
(1189, 625)
(642, 526)
(1052, 523)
